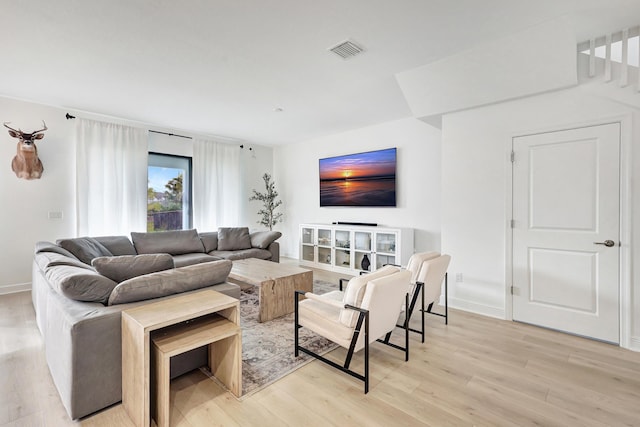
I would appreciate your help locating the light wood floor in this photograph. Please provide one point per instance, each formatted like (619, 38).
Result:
(475, 371)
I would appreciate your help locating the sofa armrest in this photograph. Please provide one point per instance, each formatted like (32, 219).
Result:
(274, 248)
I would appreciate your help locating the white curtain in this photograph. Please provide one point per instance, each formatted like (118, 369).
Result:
(111, 178)
(218, 197)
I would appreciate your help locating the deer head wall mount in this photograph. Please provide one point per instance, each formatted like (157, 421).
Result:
(26, 163)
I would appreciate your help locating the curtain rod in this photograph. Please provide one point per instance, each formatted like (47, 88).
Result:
(69, 116)
(170, 134)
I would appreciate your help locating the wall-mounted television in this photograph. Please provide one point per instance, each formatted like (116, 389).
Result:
(360, 179)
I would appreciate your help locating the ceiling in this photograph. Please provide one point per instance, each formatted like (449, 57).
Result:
(222, 67)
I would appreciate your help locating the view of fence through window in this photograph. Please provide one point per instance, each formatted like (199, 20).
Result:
(168, 206)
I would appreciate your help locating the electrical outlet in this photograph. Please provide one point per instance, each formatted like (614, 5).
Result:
(458, 277)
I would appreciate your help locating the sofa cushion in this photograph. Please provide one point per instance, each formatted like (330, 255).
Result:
(80, 284)
(233, 238)
(209, 240)
(52, 247)
(172, 242)
(123, 267)
(242, 254)
(170, 282)
(117, 245)
(52, 259)
(262, 239)
(84, 248)
(190, 259)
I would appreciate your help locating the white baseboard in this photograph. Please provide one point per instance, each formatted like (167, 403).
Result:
(11, 289)
(634, 344)
(474, 307)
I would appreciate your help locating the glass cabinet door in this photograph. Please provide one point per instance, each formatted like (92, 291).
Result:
(308, 244)
(342, 243)
(362, 250)
(385, 249)
(324, 246)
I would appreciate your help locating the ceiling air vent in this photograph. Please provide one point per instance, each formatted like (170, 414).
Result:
(346, 49)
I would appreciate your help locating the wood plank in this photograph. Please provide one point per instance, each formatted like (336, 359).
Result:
(187, 336)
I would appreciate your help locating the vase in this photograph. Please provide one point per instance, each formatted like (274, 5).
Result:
(365, 263)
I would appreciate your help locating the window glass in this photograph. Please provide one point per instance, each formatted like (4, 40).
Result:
(168, 192)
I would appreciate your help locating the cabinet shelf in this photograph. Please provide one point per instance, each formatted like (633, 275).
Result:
(343, 248)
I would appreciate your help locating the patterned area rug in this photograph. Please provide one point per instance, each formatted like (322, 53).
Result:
(267, 348)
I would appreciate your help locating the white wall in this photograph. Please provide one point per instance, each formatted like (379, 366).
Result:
(475, 164)
(25, 204)
(418, 181)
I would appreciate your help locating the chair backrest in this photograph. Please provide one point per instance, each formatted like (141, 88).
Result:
(432, 274)
(384, 298)
(416, 260)
(355, 290)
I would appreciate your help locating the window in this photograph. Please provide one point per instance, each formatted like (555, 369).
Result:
(168, 192)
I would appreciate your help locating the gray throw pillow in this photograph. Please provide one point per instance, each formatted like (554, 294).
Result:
(171, 242)
(233, 238)
(209, 240)
(84, 248)
(121, 268)
(262, 239)
(117, 245)
(80, 284)
(51, 259)
(169, 282)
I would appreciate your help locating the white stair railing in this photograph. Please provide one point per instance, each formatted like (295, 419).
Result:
(621, 47)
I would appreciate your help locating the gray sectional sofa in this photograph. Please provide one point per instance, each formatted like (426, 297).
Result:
(80, 287)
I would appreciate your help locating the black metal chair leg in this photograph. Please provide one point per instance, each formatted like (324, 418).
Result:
(446, 298)
(422, 315)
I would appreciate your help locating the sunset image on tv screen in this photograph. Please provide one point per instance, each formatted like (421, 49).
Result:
(362, 179)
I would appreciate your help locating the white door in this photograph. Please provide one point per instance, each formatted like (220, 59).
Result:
(566, 206)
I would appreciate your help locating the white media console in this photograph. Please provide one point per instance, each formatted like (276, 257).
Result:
(343, 247)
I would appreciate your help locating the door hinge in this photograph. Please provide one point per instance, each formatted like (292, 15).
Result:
(512, 223)
(513, 156)
(512, 290)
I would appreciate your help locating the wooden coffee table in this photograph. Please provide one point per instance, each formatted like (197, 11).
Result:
(276, 283)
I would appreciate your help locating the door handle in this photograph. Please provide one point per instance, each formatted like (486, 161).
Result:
(607, 243)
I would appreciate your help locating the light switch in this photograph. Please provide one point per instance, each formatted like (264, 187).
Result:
(55, 215)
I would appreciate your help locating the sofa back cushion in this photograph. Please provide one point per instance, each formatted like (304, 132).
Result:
(209, 240)
(117, 245)
(172, 242)
(123, 267)
(169, 282)
(84, 248)
(47, 259)
(233, 238)
(262, 239)
(80, 284)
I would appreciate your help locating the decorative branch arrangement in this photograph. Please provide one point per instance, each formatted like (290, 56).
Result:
(270, 203)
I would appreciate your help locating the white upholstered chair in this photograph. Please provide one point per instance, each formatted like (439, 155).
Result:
(414, 266)
(368, 309)
(431, 275)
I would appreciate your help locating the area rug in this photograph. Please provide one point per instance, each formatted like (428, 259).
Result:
(267, 348)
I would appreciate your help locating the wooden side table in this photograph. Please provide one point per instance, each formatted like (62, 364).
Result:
(185, 320)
